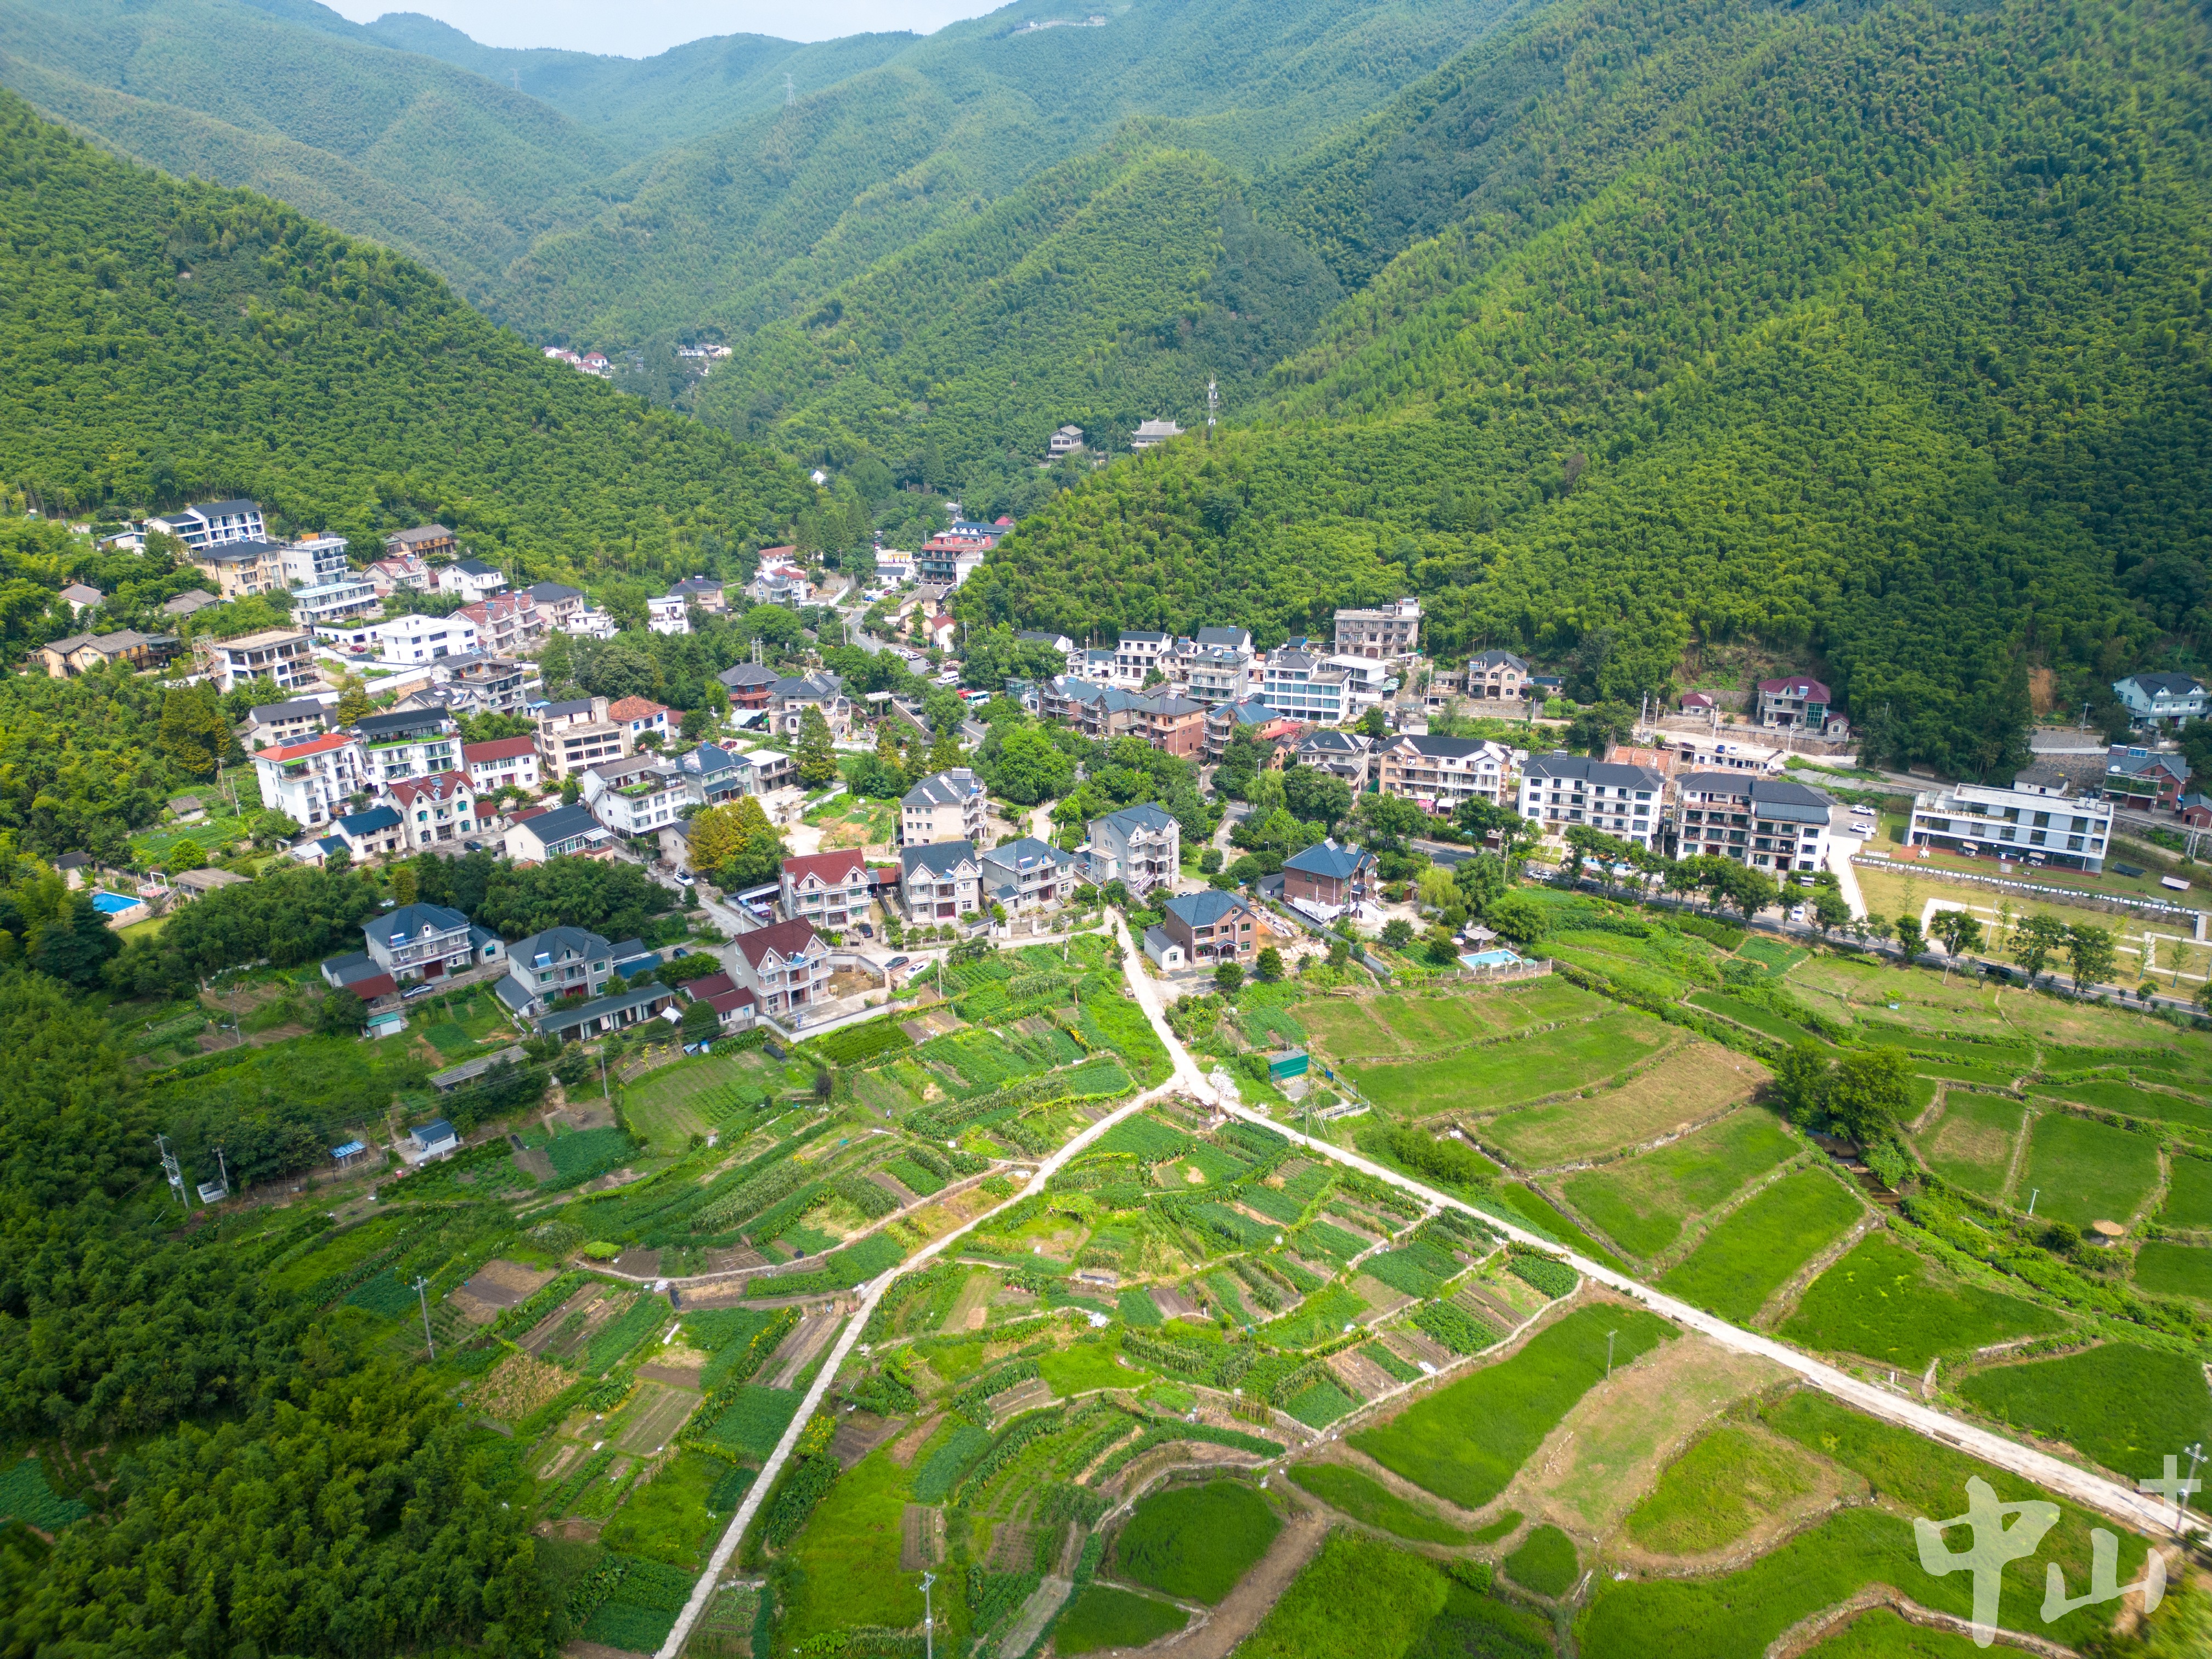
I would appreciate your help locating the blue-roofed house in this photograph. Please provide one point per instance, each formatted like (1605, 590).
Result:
(370, 833)
(1028, 874)
(1213, 926)
(1326, 873)
(1139, 846)
(419, 941)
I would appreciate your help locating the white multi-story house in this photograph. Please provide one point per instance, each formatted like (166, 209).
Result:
(283, 655)
(241, 569)
(943, 806)
(1304, 687)
(417, 638)
(212, 522)
(309, 780)
(1347, 754)
(2161, 698)
(560, 962)
(637, 796)
(1770, 824)
(2025, 822)
(1393, 631)
(1440, 773)
(472, 579)
(1215, 675)
(1139, 846)
(1559, 790)
(408, 743)
(1136, 655)
(643, 718)
(441, 808)
(668, 614)
(556, 833)
(786, 965)
(941, 881)
(419, 941)
(312, 561)
(831, 889)
(333, 601)
(557, 605)
(1027, 875)
(1065, 441)
(502, 763)
(788, 700)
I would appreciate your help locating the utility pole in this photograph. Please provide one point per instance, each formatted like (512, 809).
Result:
(2032, 1195)
(422, 1296)
(174, 1171)
(1212, 405)
(1609, 1335)
(2195, 1454)
(928, 1618)
(789, 96)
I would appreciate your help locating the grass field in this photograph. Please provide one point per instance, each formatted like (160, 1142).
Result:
(2175, 1269)
(1696, 1080)
(1884, 1634)
(1545, 1563)
(1104, 1617)
(2111, 1095)
(1972, 1142)
(2125, 1407)
(849, 1553)
(1196, 1542)
(2188, 1194)
(1765, 1021)
(1408, 1027)
(669, 1520)
(1755, 1250)
(2088, 1171)
(1359, 1596)
(1715, 1493)
(1465, 1442)
(1641, 1203)
(667, 1107)
(1505, 1074)
(1886, 1303)
(1086, 1366)
(1532, 1205)
(1369, 1501)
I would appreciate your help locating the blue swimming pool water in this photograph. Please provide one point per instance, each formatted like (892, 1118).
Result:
(109, 903)
(1489, 959)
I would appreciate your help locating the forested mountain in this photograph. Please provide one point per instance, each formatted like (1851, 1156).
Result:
(605, 201)
(1102, 293)
(1876, 333)
(165, 340)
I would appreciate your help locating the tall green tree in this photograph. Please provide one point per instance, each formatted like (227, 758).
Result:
(818, 757)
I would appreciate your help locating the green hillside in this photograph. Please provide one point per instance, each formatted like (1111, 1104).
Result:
(763, 217)
(168, 340)
(1876, 334)
(440, 164)
(1102, 293)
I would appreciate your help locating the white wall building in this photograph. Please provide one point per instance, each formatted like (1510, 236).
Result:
(313, 560)
(309, 781)
(414, 638)
(2025, 823)
(1559, 791)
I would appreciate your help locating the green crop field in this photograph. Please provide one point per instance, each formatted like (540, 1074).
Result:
(1750, 1014)
(2175, 1269)
(1771, 954)
(1196, 1542)
(670, 1520)
(1532, 1206)
(2088, 1171)
(1696, 1081)
(1972, 1143)
(1642, 1202)
(1408, 1027)
(1465, 1442)
(1086, 1366)
(2123, 1406)
(1367, 1500)
(1751, 1253)
(1545, 1563)
(1104, 1617)
(2188, 1194)
(2112, 1096)
(1360, 1596)
(1715, 1493)
(1504, 1074)
(754, 1420)
(1886, 1303)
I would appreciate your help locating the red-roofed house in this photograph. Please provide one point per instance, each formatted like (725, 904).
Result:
(731, 1001)
(1698, 703)
(785, 965)
(831, 889)
(441, 807)
(506, 622)
(1797, 704)
(643, 717)
(309, 781)
(501, 763)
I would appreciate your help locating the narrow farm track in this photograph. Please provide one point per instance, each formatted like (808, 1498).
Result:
(1185, 1079)
(2145, 1513)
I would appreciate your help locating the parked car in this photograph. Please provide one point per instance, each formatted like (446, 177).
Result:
(894, 964)
(866, 931)
(685, 878)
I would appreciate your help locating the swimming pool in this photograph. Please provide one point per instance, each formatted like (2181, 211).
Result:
(1489, 959)
(110, 903)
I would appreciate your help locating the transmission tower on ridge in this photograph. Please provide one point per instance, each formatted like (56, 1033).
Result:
(790, 97)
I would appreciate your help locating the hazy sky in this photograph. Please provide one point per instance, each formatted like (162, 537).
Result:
(639, 28)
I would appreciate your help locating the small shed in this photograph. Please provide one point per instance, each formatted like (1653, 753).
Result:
(1289, 1064)
(344, 1155)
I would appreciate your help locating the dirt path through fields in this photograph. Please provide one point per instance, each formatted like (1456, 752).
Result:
(1240, 1614)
